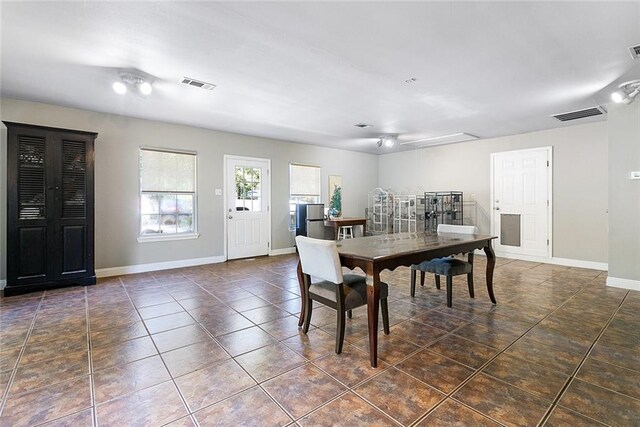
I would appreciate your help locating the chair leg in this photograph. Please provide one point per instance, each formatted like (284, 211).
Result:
(413, 282)
(421, 278)
(385, 315)
(470, 284)
(437, 282)
(449, 291)
(340, 331)
(350, 314)
(307, 315)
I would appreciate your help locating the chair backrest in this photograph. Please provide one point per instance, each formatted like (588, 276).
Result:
(319, 258)
(460, 229)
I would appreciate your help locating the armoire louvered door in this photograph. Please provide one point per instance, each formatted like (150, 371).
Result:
(50, 208)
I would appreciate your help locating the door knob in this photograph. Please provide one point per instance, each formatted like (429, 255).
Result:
(230, 217)
(497, 208)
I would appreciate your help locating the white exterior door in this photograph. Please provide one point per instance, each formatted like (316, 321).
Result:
(247, 207)
(521, 202)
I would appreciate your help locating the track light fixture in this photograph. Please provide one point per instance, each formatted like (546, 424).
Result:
(386, 141)
(626, 92)
(135, 82)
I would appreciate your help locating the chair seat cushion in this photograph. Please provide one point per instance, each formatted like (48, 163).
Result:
(444, 266)
(355, 290)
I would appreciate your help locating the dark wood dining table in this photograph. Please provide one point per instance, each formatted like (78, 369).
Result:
(373, 254)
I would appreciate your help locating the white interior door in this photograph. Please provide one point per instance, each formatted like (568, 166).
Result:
(521, 199)
(247, 207)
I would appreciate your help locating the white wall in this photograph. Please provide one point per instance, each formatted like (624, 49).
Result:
(580, 168)
(624, 195)
(116, 173)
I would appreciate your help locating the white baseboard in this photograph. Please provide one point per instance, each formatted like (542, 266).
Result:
(156, 266)
(3, 283)
(283, 251)
(616, 282)
(568, 262)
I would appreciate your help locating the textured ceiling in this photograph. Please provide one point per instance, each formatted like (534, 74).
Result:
(308, 71)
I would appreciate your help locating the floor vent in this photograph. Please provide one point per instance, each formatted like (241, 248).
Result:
(197, 83)
(635, 51)
(580, 114)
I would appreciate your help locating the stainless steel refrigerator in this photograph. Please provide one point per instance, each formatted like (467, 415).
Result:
(310, 220)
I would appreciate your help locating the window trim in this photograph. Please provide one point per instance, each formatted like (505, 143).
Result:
(161, 237)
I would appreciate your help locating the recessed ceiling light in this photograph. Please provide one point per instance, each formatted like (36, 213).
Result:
(411, 80)
(145, 88)
(119, 88)
(362, 125)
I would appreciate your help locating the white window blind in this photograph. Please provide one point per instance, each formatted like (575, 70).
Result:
(164, 171)
(304, 180)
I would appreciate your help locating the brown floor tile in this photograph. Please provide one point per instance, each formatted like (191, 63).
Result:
(626, 357)
(267, 362)
(253, 407)
(622, 380)
(416, 333)
(348, 409)
(213, 383)
(41, 374)
(561, 340)
(502, 402)
(79, 419)
(264, 314)
(170, 321)
(537, 379)
(303, 389)
(316, 343)
(561, 417)
(390, 348)
(48, 403)
(464, 351)
(119, 380)
(57, 330)
(558, 358)
(9, 358)
(438, 371)
(4, 382)
(284, 328)
(142, 300)
(193, 357)
(155, 406)
(245, 340)
(489, 336)
(440, 320)
(118, 334)
(160, 310)
(47, 350)
(182, 422)
(350, 367)
(249, 303)
(226, 325)
(452, 413)
(117, 354)
(601, 404)
(179, 337)
(411, 398)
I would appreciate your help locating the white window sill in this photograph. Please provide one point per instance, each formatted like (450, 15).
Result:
(167, 237)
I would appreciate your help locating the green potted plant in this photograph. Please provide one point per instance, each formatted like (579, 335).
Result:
(335, 205)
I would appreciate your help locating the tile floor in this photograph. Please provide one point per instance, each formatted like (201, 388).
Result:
(219, 345)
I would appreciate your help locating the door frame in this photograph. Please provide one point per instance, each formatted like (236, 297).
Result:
(549, 150)
(225, 208)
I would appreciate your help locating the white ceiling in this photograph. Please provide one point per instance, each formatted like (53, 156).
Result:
(308, 71)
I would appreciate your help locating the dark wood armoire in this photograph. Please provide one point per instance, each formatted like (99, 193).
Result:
(50, 218)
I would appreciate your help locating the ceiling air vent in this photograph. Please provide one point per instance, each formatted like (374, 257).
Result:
(197, 83)
(580, 114)
(635, 51)
(362, 125)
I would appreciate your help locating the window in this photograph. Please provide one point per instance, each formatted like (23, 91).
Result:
(167, 193)
(248, 189)
(304, 187)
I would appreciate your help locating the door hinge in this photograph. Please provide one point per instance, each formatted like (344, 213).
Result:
(547, 242)
(268, 244)
(547, 163)
(547, 203)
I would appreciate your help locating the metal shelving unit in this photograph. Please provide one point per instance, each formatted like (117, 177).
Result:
(444, 207)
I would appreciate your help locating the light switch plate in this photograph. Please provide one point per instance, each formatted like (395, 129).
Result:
(634, 175)
(218, 191)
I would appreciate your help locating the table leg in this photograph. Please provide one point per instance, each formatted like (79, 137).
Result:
(336, 230)
(302, 294)
(364, 228)
(373, 302)
(491, 263)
